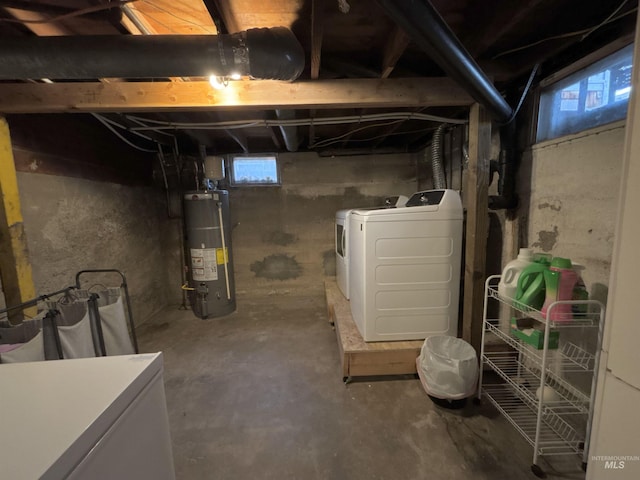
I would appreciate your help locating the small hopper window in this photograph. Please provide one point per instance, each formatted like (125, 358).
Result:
(258, 170)
(594, 96)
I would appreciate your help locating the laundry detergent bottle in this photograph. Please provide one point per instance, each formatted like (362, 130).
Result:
(530, 292)
(559, 279)
(509, 283)
(509, 280)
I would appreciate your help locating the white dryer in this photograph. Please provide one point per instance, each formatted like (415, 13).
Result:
(404, 267)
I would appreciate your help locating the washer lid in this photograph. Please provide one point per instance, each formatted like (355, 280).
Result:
(430, 204)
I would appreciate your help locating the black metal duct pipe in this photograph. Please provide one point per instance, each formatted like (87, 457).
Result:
(289, 133)
(506, 198)
(263, 53)
(422, 22)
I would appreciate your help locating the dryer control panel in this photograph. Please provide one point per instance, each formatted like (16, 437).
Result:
(427, 197)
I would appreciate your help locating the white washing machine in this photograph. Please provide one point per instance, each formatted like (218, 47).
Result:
(342, 240)
(404, 268)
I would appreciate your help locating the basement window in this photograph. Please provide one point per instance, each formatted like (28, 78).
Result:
(594, 96)
(254, 170)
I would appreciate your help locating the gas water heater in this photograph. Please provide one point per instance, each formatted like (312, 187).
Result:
(208, 243)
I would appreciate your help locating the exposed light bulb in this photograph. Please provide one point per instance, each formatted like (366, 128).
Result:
(236, 76)
(217, 82)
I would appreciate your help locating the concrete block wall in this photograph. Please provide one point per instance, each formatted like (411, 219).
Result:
(570, 192)
(283, 237)
(74, 224)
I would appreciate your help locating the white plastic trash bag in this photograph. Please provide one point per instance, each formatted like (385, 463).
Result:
(448, 367)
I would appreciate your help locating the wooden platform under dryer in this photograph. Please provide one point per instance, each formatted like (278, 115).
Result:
(360, 358)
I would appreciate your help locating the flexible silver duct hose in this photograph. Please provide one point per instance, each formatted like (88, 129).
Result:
(439, 179)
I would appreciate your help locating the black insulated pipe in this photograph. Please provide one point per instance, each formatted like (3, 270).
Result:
(507, 197)
(261, 53)
(289, 133)
(424, 25)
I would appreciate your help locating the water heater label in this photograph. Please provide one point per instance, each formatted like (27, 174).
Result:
(204, 266)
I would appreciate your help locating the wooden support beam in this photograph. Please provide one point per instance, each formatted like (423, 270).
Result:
(317, 31)
(247, 95)
(477, 225)
(15, 268)
(393, 50)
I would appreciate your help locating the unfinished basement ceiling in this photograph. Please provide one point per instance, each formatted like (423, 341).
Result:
(351, 47)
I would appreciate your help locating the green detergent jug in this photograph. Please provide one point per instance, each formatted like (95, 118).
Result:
(531, 292)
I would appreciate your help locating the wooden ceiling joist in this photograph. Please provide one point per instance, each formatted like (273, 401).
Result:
(317, 30)
(393, 50)
(42, 29)
(241, 95)
(504, 21)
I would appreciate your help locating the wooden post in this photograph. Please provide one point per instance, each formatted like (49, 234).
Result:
(15, 268)
(476, 201)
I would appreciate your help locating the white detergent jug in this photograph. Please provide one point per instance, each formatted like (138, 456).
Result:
(509, 282)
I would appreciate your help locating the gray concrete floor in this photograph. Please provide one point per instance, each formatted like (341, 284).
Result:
(259, 395)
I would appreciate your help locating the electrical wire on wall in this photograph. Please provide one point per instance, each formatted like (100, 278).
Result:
(584, 32)
(135, 120)
(158, 125)
(163, 127)
(330, 141)
(382, 119)
(108, 123)
(524, 94)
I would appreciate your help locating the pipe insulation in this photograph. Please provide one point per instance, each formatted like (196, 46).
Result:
(261, 53)
(422, 22)
(437, 167)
